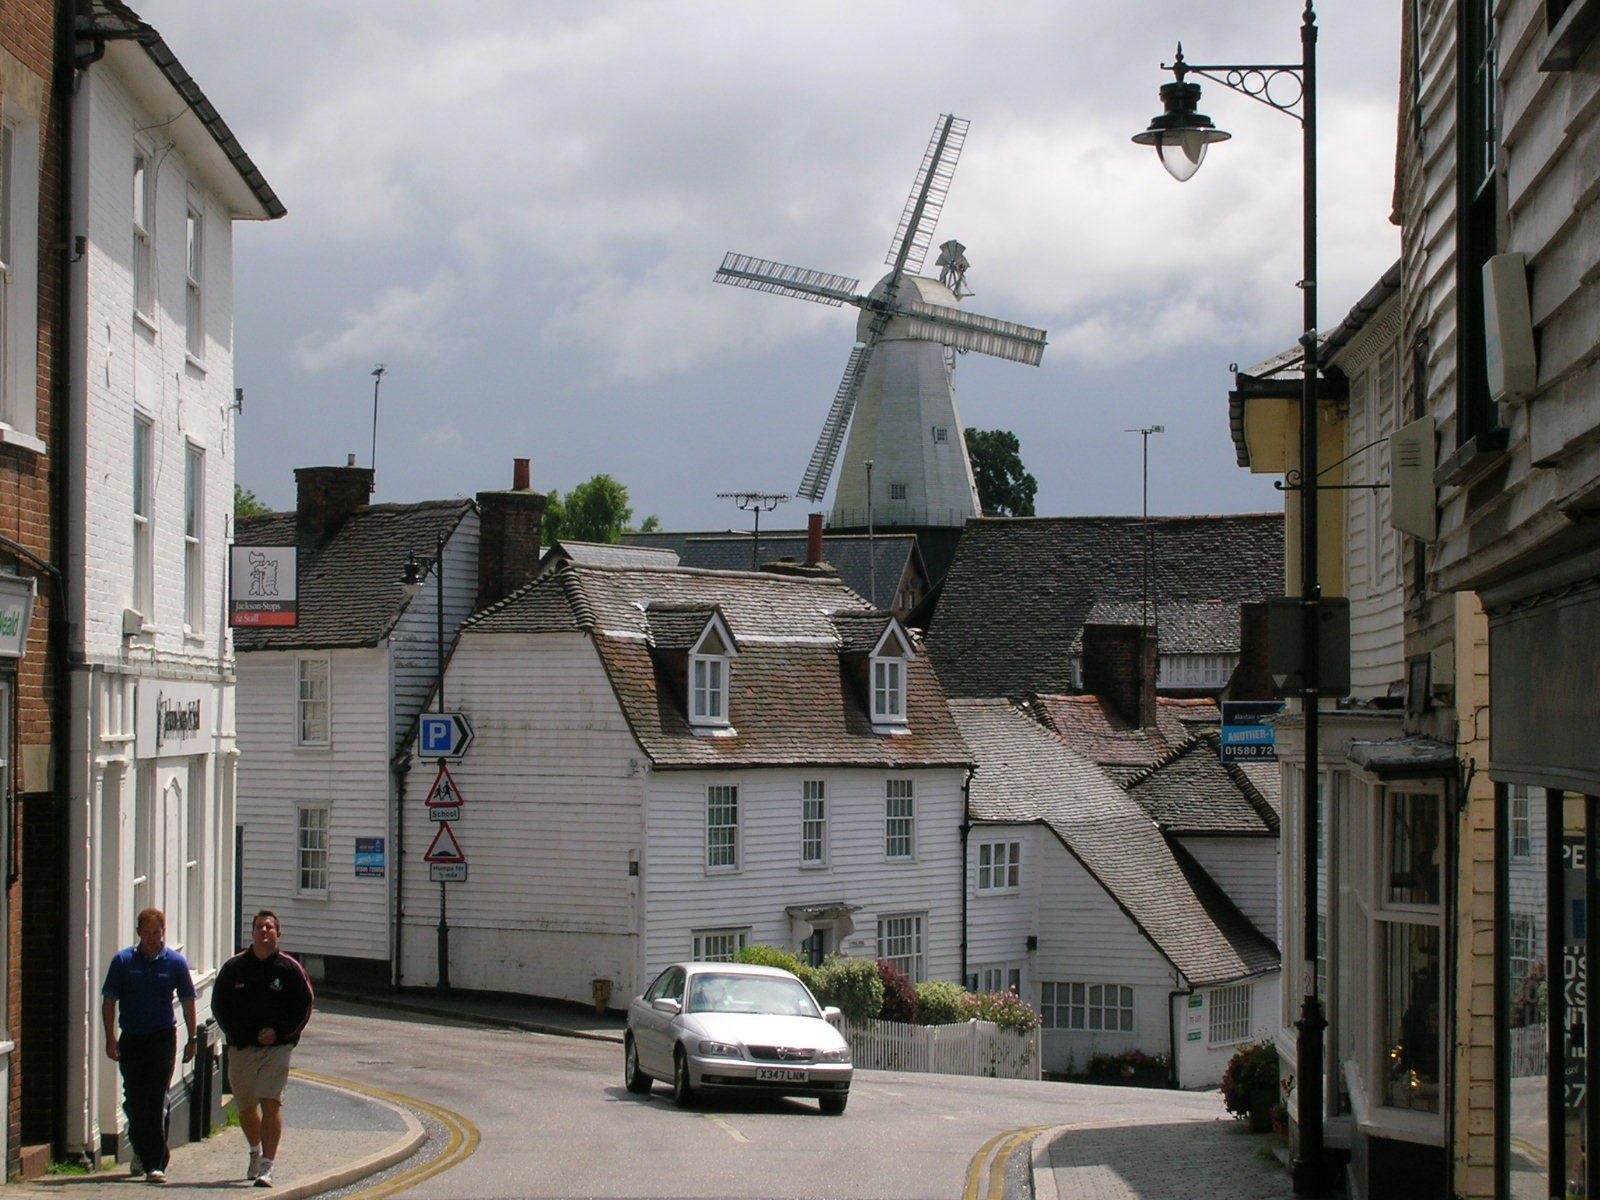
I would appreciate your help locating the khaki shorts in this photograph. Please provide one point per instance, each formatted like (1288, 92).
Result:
(257, 1073)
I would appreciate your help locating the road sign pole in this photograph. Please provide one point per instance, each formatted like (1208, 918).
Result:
(444, 941)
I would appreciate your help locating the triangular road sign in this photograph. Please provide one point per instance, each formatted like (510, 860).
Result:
(445, 848)
(444, 793)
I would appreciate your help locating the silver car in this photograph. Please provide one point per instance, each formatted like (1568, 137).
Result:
(708, 1026)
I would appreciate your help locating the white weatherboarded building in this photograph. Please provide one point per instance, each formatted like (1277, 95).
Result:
(327, 707)
(674, 763)
(1078, 900)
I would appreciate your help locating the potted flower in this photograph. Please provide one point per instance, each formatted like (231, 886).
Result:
(1250, 1084)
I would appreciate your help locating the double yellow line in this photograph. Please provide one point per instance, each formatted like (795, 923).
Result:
(464, 1137)
(994, 1155)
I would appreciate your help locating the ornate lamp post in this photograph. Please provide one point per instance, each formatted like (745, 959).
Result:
(411, 582)
(1180, 135)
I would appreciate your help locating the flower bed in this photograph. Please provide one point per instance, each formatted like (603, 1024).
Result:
(1134, 1068)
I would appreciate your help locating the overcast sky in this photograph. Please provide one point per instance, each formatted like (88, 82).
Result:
(518, 208)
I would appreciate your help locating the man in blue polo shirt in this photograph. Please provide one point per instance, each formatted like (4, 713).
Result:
(143, 979)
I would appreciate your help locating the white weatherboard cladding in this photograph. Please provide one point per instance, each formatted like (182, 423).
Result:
(551, 814)
(1200, 1064)
(415, 639)
(1085, 937)
(1246, 869)
(350, 776)
(1000, 923)
(682, 896)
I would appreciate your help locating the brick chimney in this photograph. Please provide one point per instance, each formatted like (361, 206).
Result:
(508, 536)
(1251, 679)
(1119, 664)
(325, 496)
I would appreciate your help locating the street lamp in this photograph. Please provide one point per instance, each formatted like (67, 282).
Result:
(1181, 135)
(411, 584)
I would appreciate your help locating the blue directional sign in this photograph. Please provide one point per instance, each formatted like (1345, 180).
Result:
(443, 735)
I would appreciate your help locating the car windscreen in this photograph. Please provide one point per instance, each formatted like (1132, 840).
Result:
(709, 992)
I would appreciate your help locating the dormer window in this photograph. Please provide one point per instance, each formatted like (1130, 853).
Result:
(709, 661)
(887, 672)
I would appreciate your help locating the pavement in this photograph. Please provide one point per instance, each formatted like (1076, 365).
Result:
(337, 1133)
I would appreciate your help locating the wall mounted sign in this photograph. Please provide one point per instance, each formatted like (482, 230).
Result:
(174, 718)
(262, 586)
(16, 613)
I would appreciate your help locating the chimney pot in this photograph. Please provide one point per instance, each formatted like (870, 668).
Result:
(813, 539)
(349, 460)
(521, 479)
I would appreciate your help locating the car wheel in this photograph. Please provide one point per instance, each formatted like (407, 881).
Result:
(682, 1089)
(633, 1078)
(834, 1105)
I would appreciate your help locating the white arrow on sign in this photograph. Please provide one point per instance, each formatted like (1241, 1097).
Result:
(445, 848)
(443, 735)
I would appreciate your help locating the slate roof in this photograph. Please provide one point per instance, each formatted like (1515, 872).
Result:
(1092, 726)
(1211, 627)
(607, 554)
(792, 700)
(676, 626)
(1192, 791)
(1027, 775)
(848, 553)
(349, 587)
(1020, 589)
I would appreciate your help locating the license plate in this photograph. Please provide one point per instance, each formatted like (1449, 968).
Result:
(781, 1075)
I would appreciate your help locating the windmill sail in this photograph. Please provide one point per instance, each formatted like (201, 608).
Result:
(820, 469)
(974, 331)
(764, 275)
(912, 237)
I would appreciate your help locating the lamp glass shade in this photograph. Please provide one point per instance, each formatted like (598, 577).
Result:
(1182, 151)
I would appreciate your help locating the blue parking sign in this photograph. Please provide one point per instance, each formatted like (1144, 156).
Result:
(443, 735)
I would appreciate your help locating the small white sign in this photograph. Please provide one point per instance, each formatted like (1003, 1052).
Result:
(447, 872)
(174, 718)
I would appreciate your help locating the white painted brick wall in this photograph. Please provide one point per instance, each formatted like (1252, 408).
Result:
(124, 363)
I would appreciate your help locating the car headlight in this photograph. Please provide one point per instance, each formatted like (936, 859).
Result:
(842, 1054)
(718, 1049)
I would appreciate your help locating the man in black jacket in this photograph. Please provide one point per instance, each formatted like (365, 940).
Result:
(262, 1000)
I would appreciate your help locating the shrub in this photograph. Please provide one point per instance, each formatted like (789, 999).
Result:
(1005, 1009)
(899, 997)
(761, 955)
(940, 1003)
(852, 985)
(1131, 1067)
(1251, 1078)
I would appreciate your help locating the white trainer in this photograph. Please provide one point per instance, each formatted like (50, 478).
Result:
(254, 1168)
(264, 1174)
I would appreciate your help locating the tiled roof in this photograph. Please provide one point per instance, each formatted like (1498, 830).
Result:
(848, 553)
(1191, 790)
(1182, 627)
(1026, 774)
(792, 701)
(676, 626)
(1020, 589)
(607, 554)
(1092, 726)
(349, 587)
(859, 633)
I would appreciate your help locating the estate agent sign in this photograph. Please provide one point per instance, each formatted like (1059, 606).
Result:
(174, 718)
(16, 610)
(261, 586)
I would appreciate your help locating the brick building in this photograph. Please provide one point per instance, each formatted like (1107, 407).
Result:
(31, 477)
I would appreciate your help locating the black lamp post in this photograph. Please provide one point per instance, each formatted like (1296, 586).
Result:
(1181, 135)
(412, 583)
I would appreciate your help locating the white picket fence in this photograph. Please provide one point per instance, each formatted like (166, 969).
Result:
(971, 1048)
(1529, 1050)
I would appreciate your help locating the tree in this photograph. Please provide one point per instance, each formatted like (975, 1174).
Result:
(596, 510)
(651, 524)
(245, 504)
(1005, 489)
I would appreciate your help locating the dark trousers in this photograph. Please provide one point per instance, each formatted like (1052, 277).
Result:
(147, 1061)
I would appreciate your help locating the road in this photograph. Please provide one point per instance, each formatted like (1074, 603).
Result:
(555, 1120)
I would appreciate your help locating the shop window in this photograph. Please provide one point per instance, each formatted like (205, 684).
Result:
(1410, 940)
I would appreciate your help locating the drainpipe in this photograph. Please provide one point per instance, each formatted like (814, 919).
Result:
(966, 829)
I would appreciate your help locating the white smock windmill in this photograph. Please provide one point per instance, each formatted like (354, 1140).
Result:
(899, 382)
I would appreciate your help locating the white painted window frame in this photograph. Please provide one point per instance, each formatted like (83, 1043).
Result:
(1195, 670)
(1228, 1015)
(304, 702)
(901, 940)
(813, 823)
(900, 820)
(194, 276)
(144, 808)
(717, 945)
(313, 823)
(723, 841)
(1079, 1007)
(1001, 861)
(143, 503)
(19, 277)
(143, 197)
(710, 675)
(194, 550)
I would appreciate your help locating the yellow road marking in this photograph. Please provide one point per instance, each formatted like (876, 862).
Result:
(726, 1128)
(464, 1136)
(995, 1153)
